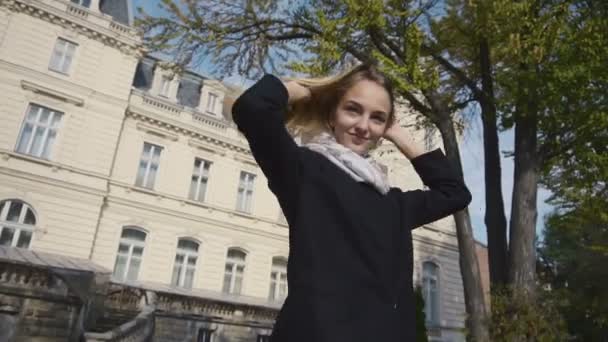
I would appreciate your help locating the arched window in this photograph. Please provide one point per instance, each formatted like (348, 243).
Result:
(278, 279)
(430, 292)
(234, 271)
(130, 253)
(185, 263)
(17, 223)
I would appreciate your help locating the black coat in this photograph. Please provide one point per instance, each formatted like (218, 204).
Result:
(350, 258)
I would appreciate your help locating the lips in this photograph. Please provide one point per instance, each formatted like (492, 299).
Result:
(358, 140)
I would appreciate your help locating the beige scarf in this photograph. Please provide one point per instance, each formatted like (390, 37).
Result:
(361, 169)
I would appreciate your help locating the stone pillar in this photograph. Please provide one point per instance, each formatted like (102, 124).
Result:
(94, 6)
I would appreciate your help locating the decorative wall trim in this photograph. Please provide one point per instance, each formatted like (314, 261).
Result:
(39, 89)
(157, 131)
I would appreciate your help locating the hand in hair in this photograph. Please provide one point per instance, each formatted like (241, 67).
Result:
(296, 91)
(404, 141)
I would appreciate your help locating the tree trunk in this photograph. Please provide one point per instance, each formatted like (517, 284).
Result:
(522, 252)
(495, 220)
(469, 268)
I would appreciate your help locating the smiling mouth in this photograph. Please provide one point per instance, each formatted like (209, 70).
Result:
(359, 137)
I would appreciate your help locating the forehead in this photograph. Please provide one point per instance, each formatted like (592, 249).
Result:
(370, 95)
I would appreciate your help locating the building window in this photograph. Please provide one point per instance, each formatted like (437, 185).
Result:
(130, 253)
(62, 56)
(235, 268)
(263, 338)
(148, 166)
(17, 222)
(245, 192)
(83, 3)
(204, 335)
(278, 279)
(39, 131)
(430, 291)
(165, 82)
(211, 103)
(185, 263)
(200, 176)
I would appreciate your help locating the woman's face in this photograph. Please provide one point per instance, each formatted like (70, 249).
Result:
(362, 116)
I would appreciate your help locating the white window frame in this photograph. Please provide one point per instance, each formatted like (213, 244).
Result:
(233, 263)
(200, 175)
(212, 102)
(148, 159)
(277, 281)
(49, 130)
(263, 338)
(131, 243)
(164, 86)
(64, 50)
(244, 196)
(432, 308)
(20, 226)
(205, 335)
(185, 266)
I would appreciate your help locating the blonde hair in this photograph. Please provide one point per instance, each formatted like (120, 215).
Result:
(312, 115)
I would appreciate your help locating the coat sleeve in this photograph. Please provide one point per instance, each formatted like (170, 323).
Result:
(258, 114)
(447, 192)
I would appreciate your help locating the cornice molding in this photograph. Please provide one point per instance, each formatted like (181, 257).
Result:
(39, 89)
(78, 19)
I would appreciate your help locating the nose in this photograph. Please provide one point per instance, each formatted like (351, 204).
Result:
(362, 126)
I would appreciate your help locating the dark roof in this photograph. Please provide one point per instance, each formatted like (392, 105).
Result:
(48, 260)
(120, 10)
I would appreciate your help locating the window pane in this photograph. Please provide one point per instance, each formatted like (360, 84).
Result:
(123, 249)
(236, 254)
(189, 278)
(187, 244)
(36, 150)
(14, 211)
(133, 234)
(6, 237)
(50, 139)
(271, 292)
(177, 270)
(238, 281)
(192, 261)
(240, 269)
(133, 269)
(193, 187)
(26, 136)
(29, 217)
(24, 239)
(119, 266)
(151, 176)
(226, 286)
(138, 251)
(141, 173)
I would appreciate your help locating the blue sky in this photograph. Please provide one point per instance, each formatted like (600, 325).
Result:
(471, 151)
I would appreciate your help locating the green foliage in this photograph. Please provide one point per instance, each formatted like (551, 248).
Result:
(574, 256)
(421, 335)
(515, 318)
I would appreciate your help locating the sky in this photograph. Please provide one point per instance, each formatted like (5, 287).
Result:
(471, 151)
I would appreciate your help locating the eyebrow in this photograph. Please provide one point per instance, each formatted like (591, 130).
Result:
(353, 102)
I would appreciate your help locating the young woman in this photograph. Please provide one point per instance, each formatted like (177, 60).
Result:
(350, 258)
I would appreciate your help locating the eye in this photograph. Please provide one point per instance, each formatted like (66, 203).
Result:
(352, 109)
(379, 118)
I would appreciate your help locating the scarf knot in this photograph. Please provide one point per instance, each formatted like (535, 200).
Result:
(361, 169)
